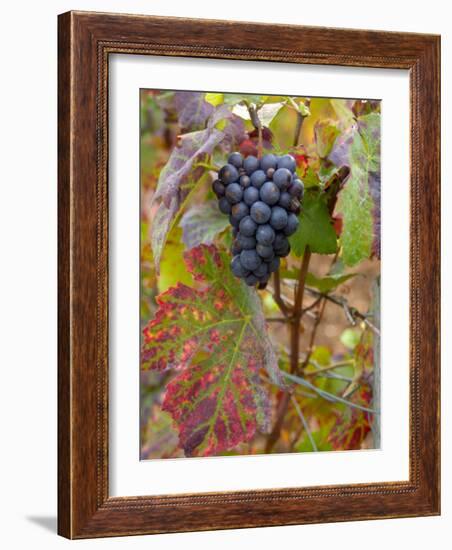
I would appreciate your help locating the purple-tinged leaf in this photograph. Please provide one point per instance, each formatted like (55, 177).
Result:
(192, 110)
(375, 192)
(201, 224)
(179, 175)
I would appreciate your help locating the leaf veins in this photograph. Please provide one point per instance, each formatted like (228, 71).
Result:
(214, 338)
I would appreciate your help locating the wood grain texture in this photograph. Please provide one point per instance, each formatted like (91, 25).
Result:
(85, 42)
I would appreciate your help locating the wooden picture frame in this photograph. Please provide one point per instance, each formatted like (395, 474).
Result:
(85, 42)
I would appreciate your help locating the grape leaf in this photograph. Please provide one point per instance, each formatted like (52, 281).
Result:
(325, 133)
(311, 178)
(192, 110)
(214, 98)
(202, 223)
(315, 229)
(172, 268)
(214, 338)
(179, 175)
(358, 202)
(235, 99)
(343, 110)
(322, 284)
(268, 112)
(241, 111)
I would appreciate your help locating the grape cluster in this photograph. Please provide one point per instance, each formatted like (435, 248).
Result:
(262, 198)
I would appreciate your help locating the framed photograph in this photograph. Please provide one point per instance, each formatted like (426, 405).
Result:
(248, 275)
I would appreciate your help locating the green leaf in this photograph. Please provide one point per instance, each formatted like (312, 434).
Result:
(325, 133)
(202, 223)
(342, 108)
(272, 99)
(214, 338)
(358, 202)
(350, 338)
(234, 99)
(172, 268)
(329, 283)
(311, 178)
(322, 284)
(315, 229)
(214, 99)
(321, 355)
(320, 437)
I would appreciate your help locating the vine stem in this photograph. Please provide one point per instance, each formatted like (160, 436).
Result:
(298, 127)
(260, 145)
(318, 320)
(277, 294)
(255, 120)
(295, 322)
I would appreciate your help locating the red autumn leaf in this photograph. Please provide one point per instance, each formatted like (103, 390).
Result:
(214, 338)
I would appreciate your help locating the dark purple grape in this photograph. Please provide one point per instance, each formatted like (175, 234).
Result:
(261, 271)
(224, 205)
(245, 181)
(273, 265)
(269, 161)
(250, 164)
(247, 227)
(258, 178)
(218, 188)
(283, 249)
(296, 189)
(236, 247)
(262, 199)
(236, 160)
(237, 268)
(270, 172)
(233, 221)
(250, 259)
(265, 251)
(295, 206)
(228, 174)
(234, 193)
(282, 178)
(251, 195)
(292, 224)
(246, 243)
(287, 161)
(265, 234)
(278, 219)
(269, 193)
(284, 200)
(280, 241)
(260, 212)
(251, 279)
(240, 210)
